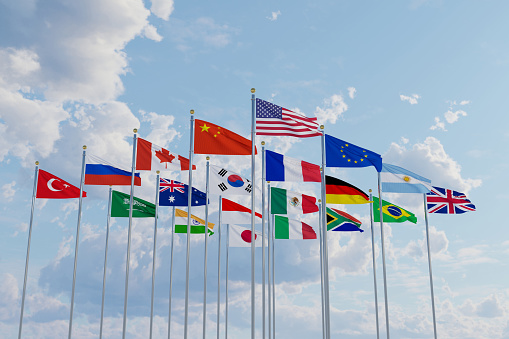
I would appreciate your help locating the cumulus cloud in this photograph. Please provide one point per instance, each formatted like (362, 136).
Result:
(274, 16)
(451, 115)
(8, 190)
(438, 125)
(332, 109)
(150, 32)
(412, 99)
(162, 8)
(351, 92)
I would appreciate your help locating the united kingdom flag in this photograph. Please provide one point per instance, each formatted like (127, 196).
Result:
(446, 201)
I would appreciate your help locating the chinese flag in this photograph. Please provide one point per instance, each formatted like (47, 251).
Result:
(214, 139)
(52, 187)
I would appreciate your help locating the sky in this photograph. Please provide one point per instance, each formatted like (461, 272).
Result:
(421, 82)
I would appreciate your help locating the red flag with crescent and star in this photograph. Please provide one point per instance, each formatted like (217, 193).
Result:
(210, 138)
(50, 186)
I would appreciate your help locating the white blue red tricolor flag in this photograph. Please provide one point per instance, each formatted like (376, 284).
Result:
(100, 172)
(446, 201)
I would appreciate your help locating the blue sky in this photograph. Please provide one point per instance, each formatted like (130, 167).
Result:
(422, 82)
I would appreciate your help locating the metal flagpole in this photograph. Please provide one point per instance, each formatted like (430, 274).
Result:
(273, 280)
(430, 272)
(253, 126)
(105, 261)
(374, 264)
(227, 265)
(154, 258)
(325, 250)
(171, 269)
(320, 233)
(263, 238)
(77, 238)
(189, 197)
(34, 194)
(131, 201)
(383, 255)
(219, 269)
(206, 243)
(268, 253)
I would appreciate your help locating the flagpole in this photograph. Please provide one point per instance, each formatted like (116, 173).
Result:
(325, 249)
(227, 266)
(206, 243)
(154, 258)
(430, 272)
(77, 238)
(273, 280)
(189, 197)
(268, 251)
(131, 201)
(105, 261)
(383, 255)
(253, 213)
(374, 265)
(263, 238)
(34, 194)
(219, 269)
(171, 268)
(320, 232)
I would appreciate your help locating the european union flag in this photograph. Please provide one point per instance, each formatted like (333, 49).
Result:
(174, 193)
(339, 153)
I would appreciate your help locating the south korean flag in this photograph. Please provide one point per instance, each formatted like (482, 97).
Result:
(224, 182)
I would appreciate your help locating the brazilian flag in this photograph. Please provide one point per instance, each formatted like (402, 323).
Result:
(392, 213)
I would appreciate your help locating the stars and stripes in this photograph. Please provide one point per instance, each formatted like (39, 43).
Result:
(275, 120)
(172, 185)
(446, 201)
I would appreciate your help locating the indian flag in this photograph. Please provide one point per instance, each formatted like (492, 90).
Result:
(292, 229)
(197, 224)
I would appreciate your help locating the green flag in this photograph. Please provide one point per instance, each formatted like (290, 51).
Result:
(392, 213)
(120, 206)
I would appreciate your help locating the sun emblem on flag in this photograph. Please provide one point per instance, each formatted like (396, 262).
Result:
(294, 202)
(406, 178)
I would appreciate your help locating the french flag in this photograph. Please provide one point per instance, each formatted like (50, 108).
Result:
(279, 167)
(100, 172)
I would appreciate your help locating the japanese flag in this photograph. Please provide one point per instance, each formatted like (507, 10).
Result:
(241, 237)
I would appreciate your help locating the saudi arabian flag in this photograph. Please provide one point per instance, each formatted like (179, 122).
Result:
(392, 213)
(340, 221)
(120, 203)
(197, 224)
(285, 228)
(287, 202)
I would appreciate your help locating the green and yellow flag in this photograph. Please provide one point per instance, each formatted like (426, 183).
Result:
(392, 213)
(120, 206)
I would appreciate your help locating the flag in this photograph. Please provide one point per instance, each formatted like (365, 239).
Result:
(339, 153)
(279, 167)
(446, 201)
(213, 139)
(241, 237)
(101, 172)
(340, 192)
(340, 221)
(234, 213)
(399, 180)
(50, 186)
(285, 228)
(197, 224)
(150, 157)
(275, 120)
(287, 202)
(391, 212)
(175, 193)
(224, 182)
(120, 203)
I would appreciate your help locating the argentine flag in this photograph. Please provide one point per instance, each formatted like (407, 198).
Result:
(399, 180)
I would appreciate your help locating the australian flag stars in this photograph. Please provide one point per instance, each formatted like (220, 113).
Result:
(174, 193)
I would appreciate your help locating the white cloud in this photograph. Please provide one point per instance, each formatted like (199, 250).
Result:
(162, 8)
(412, 99)
(150, 32)
(351, 92)
(8, 191)
(203, 30)
(452, 117)
(438, 125)
(333, 108)
(464, 102)
(274, 16)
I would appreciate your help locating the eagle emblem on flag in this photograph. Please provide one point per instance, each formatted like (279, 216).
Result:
(446, 201)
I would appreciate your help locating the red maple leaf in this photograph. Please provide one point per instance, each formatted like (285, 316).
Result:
(164, 156)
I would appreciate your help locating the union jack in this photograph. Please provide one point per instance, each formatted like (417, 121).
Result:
(172, 185)
(446, 201)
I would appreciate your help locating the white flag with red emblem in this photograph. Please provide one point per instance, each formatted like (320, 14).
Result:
(241, 237)
(150, 157)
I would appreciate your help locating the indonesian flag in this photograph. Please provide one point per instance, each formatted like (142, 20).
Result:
(241, 237)
(150, 157)
(233, 213)
(50, 186)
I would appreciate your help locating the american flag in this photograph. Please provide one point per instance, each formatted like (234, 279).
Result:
(275, 120)
(446, 201)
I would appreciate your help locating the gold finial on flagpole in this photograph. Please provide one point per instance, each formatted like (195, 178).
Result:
(84, 146)
(37, 163)
(253, 90)
(322, 126)
(370, 190)
(319, 200)
(192, 111)
(208, 158)
(263, 143)
(135, 130)
(158, 172)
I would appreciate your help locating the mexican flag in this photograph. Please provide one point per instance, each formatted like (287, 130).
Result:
(292, 229)
(197, 224)
(287, 202)
(340, 221)
(120, 203)
(392, 213)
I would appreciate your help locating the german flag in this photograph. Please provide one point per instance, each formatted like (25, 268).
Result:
(340, 192)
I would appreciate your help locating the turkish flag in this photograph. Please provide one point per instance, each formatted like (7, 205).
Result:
(50, 186)
(213, 139)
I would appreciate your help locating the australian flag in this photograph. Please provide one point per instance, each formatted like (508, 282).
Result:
(446, 201)
(174, 193)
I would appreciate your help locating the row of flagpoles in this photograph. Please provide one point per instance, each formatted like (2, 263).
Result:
(208, 138)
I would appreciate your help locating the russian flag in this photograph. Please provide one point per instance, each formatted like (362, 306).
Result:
(282, 168)
(100, 172)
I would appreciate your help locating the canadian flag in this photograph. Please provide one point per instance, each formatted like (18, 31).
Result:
(241, 237)
(150, 157)
(50, 186)
(234, 213)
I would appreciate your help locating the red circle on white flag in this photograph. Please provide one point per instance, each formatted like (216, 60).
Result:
(246, 236)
